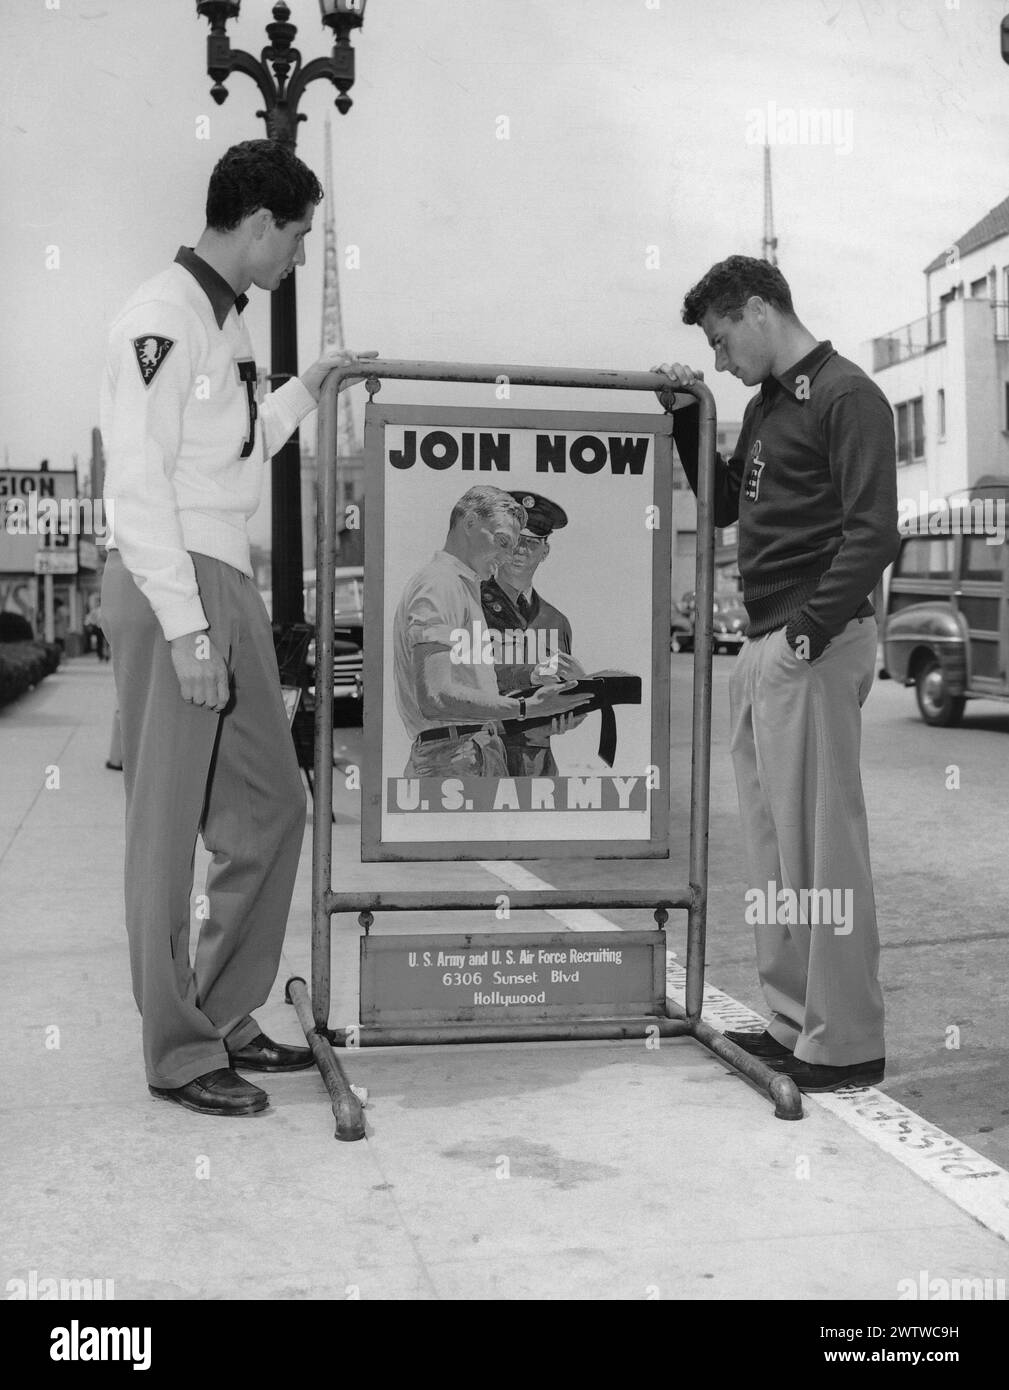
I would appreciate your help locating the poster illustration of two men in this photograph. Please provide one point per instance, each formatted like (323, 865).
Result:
(516, 634)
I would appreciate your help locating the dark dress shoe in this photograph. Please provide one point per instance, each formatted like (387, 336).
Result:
(220, 1092)
(761, 1045)
(263, 1054)
(809, 1076)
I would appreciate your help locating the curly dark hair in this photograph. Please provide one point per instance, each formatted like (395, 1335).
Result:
(259, 174)
(729, 284)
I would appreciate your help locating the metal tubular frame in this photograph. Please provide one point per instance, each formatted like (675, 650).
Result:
(313, 1011)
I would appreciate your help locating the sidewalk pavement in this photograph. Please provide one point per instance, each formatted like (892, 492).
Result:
(519, 1171)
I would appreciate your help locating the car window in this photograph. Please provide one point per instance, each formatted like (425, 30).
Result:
(347, 596)
(981, 560)
(930, 556)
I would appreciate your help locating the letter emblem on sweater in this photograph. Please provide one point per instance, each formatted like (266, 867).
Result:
(151, 351)
(751, 483)
(247, 373)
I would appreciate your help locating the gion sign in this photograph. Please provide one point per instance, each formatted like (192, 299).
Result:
(511, 976)
(29, 501)
(463, 620)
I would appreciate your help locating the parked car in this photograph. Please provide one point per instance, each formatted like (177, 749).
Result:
(728, 624)
(348, 637)
(946, 628)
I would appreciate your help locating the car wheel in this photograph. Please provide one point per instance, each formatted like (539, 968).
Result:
(938, 707)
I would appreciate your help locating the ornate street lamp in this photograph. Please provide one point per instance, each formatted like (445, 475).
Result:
(281, 80)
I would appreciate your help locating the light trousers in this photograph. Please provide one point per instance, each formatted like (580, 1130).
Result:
(796, 736)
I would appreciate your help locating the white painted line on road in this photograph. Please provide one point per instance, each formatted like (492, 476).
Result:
(976, 1184)
(574, 918)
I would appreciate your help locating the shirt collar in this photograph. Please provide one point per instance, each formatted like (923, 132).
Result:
(216, 288)
(498, 587)
(806, 368)
(458, 565)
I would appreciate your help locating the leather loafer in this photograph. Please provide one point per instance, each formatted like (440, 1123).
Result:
(263, 1054)
(220, 1092)
(761, 1045)
(810, 1076)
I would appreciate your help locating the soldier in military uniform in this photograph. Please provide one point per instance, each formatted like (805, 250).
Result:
(452, 706)
(512, 607)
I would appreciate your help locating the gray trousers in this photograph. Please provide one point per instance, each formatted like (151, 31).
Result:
(231, 777)
(796, 734)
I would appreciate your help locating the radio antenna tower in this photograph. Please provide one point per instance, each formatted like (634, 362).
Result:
(332, 318)
(770, 249)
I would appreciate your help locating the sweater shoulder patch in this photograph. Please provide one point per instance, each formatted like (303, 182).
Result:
(151, 349)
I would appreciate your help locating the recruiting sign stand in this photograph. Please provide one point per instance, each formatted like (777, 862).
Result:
(499, 985)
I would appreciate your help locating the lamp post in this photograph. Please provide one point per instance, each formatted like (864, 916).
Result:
(281, 80)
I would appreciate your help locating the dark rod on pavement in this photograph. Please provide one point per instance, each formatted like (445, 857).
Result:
(534, 1030)
(546, 898)
(347, 1109)
(782, 1089)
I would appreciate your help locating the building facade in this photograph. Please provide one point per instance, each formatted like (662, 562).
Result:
(947, 374)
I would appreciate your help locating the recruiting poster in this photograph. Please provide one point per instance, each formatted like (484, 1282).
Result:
(508, 553)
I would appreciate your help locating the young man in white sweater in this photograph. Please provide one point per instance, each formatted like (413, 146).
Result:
(207, 747)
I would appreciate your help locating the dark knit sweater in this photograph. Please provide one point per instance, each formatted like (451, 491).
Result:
(813, 485)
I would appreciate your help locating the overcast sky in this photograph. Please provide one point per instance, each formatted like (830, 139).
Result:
(632, 137)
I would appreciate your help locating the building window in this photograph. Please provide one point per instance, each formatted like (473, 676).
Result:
(979, 288)
(941, 413)
(911, 430)
(918, 422)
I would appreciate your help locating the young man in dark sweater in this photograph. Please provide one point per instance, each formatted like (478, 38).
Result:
(812, 483)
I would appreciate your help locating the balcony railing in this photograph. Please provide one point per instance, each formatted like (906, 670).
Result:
(910, 341)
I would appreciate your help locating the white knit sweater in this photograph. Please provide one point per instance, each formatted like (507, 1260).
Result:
(175, 421)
